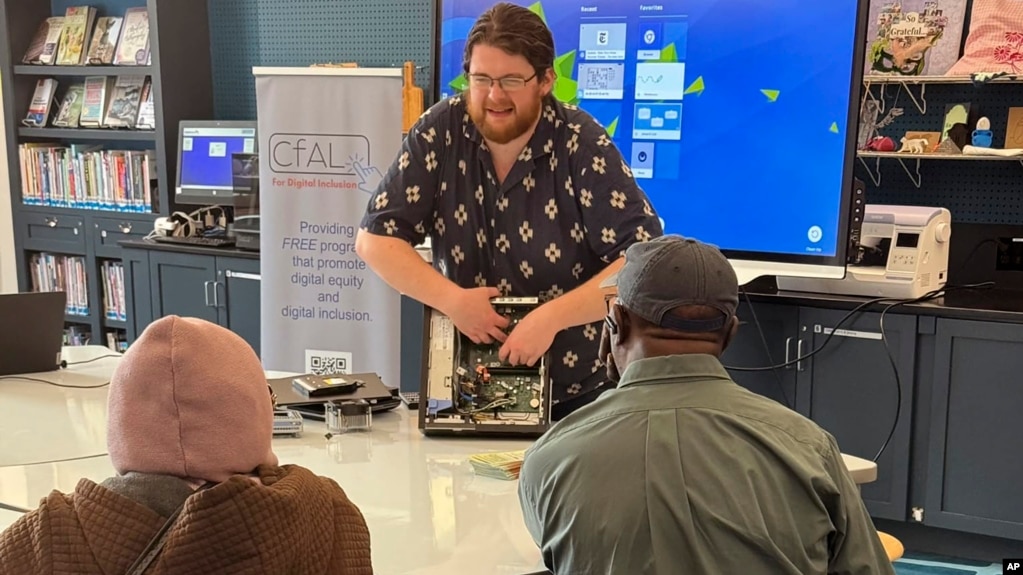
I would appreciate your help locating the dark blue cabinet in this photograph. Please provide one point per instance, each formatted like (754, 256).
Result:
(850, 389)
(767, 336)
(975, 440)
(223, 289)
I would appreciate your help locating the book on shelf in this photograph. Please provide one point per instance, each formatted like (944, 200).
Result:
(59, 272)
(77, 335)
(81, 37)
(125, 97)
(97, 91)
(74, 38)
(113, 290)
(104, 40)
(117, 341)
(88, 177)
(70, 107)
(42, 102)
(133, 45)
(147, 111)
(43, 49)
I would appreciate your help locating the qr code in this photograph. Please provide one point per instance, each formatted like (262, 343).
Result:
(320, 362)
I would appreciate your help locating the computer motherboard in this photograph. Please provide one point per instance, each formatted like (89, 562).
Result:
(468, 387)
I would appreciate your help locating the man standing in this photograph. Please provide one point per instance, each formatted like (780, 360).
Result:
(521, 196)
(678, 469)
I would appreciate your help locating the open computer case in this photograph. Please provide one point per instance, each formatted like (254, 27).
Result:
(467, 390)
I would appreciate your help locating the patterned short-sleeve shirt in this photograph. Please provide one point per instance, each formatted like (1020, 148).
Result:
(568, 208)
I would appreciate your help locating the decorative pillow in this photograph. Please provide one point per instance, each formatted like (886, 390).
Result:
(995, 41)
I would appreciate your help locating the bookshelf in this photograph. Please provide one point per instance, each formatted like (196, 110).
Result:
(76, 242)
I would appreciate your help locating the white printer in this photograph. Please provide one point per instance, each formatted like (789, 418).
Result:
(902, 254)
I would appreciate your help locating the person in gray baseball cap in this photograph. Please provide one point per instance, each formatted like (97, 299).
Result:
(679, 469)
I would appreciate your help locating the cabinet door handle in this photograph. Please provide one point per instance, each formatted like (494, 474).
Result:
(216, 293)
(788, 346)
(242, 275)
(799, 354)
(206, 292)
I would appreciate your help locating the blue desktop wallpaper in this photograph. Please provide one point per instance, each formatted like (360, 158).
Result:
(198, 168)
(740, 133)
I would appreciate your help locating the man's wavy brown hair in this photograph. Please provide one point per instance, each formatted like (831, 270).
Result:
(517, 31)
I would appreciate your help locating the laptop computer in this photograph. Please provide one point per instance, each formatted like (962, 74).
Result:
(35, 344)
(467, 390)
(380, 397)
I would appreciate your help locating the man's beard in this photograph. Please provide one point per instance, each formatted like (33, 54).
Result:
(522, 119)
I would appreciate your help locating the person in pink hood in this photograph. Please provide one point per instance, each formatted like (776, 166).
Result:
(198, 488)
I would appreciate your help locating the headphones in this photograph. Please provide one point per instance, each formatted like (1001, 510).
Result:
(612, 326)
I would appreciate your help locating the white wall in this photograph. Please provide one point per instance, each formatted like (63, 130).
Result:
(8, 271)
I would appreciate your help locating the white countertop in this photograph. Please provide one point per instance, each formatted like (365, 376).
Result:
(426, 510)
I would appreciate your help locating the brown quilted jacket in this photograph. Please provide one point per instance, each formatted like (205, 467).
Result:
(290, 521)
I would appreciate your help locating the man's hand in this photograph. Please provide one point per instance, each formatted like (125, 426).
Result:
(530, 339)
(474, 315)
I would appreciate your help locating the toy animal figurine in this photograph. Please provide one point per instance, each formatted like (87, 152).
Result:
(914, 146)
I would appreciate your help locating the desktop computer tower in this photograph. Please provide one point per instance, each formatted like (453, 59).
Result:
(466, 388)
(245, 178)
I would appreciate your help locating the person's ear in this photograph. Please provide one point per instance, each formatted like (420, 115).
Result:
(547, 84)
(732, 330)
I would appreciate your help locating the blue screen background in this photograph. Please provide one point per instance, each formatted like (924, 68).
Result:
(765, 115)
(199, 169)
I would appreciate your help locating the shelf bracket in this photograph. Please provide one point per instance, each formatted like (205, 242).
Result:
(868, 93)
(920, 104)
(877, 168)
(918, 180)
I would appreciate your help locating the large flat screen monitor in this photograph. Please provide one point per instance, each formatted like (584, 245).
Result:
(738, 118)
(205, 166)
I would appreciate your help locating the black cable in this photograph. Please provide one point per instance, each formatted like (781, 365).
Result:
(767, 350)
(93, 359)
(798, 359)
(891, 356)
(53, 383)
(892, 303)
(65, 460)
(898, 380)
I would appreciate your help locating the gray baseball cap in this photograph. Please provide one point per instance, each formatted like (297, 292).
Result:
(671, 271)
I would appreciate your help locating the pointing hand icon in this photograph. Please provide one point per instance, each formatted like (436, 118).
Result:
(369, 177)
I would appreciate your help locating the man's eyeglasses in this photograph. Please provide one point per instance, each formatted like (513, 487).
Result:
(508, 83)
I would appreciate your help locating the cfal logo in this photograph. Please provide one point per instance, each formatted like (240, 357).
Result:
(815, 233)
(318, 154)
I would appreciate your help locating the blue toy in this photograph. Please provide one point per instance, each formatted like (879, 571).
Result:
(982, 135)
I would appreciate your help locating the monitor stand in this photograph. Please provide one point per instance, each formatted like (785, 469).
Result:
(748, 270)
